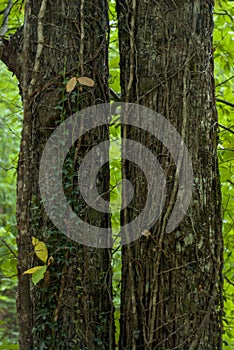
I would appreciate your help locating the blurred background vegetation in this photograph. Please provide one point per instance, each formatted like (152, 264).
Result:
(10, 127)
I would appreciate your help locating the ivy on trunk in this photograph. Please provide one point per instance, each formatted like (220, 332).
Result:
(60, 40)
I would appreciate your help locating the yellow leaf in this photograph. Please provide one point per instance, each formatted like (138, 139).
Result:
(86, 81)
(71, 84)
(40, 249)
(33, 269)
(35, 241)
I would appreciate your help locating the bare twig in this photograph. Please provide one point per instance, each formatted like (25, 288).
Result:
(225, 102)
(114, 95)
(9, 248)
(228, 280)
(225, 128)
(7, 169)
(225, 81)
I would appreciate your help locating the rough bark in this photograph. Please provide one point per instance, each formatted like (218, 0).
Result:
(59, 40)
(171, 282)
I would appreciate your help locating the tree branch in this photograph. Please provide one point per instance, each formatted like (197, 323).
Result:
(6, 12)
(9, 248)
(225, 102)
(10, 52)
(114, 96)
(228, 280)
(225, 81)
(225, 128)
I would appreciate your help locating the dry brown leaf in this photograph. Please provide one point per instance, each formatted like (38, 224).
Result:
(50, 261)
(71, 84)
(86, 81)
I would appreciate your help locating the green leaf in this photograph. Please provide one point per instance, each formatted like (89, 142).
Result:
(9, 347)
(39, 274)
(8, 266)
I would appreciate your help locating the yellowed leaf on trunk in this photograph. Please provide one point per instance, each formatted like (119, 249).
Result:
(71, 84)
(40, 249)
(33, 269)
(86, 81)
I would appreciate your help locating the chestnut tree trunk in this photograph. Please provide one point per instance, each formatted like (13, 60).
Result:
(72, 307)
(171, 282)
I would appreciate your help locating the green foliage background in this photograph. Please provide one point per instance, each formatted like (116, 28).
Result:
(224, 79)
(10, 126)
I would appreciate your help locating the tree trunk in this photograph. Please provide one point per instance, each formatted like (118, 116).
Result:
(171, 281)
(60, 40)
